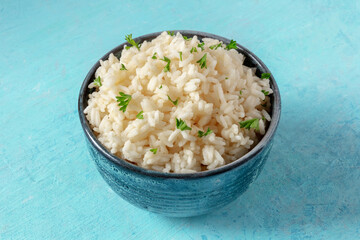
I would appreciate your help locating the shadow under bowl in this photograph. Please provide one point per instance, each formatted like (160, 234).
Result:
(174, 194)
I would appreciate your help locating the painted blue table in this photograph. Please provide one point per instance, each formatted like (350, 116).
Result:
(310, 187)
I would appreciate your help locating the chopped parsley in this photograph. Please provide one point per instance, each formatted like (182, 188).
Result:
(263, 118)
(171, 33)
(186, 38)
(226, 78)
(167, 67)
(180, 124)
(215, 46)
(174, 102)
(265, 92)
(265, 75)
(160, 86)
(201, 45)
(97, 82)
(202, 61)
(180, 56)
(140, 115)
(123, 101)
(263, 105)
(123, 67)
(193, 49)
(231, 45)
(202, 134)
(130, 40)
(252, 123)
(153, 150)
(154, 56)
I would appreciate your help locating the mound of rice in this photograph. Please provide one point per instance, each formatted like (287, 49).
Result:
(217, 97)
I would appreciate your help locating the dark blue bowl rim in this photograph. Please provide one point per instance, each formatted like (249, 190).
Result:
(276, 110)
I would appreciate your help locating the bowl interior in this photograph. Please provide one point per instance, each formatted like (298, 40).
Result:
(251, 60)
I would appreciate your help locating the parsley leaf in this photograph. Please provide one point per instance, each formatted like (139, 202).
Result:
(153, 150)
(180, 56)
(154, 56)
(140, 115)
(252, 123)
(265, 75)
(186, 38)
(216, 46)
(171, 33)
(201, 45)
(265, 92)
(174, 102)
(167, 67)
(193, 49)
(130, 40)
(202, 61)
(97, 82)
(123, 101)
(160, 86)
(202, 134)
(263, 105)
(263, 118)
(231, 45)
(180, 124)
(123, 67)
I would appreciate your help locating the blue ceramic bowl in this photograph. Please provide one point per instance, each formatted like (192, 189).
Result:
(173, 194)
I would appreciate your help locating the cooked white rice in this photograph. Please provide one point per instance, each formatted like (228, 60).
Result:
(207, 98)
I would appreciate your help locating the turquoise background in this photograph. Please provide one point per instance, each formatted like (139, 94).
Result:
(310, 186)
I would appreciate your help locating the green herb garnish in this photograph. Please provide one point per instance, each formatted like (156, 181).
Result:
(171, 33)
(193, 49)
(252, 123)
(123, 67)
(216, 46)
(140, 115)
(174, 102)
(231, 45)
(160, 86)
(265, 75)
(186, 38)
(202, 61)
(202, 134)
(123, 101)
(167, 67)
(154, 56)
(180, 124)
(97, 82)
(153, 150)
(226, 78)
(263, 105)
(263, 118)
(201, 45)
(265, 92)
(130, 40)
(180, 56)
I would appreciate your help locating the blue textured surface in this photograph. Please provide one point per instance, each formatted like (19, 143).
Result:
(310, 186)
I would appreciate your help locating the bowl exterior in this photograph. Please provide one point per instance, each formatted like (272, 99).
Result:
(179, 197)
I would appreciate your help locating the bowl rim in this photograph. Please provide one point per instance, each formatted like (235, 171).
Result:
(275, 117)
